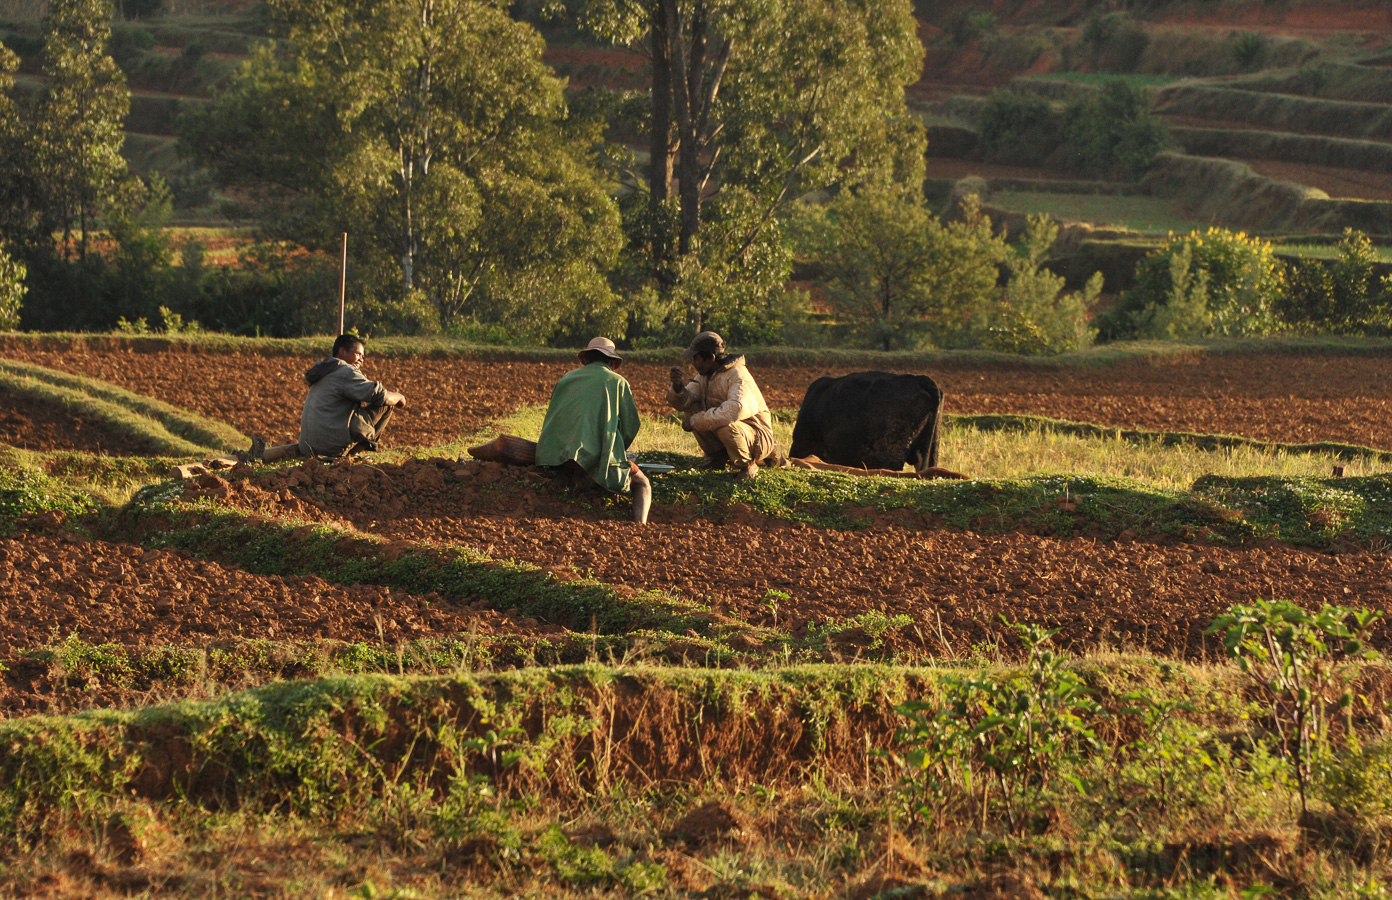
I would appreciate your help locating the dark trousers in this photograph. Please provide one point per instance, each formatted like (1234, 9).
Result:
(366, 425)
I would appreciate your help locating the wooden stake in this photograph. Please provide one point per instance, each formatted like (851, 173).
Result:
(342, 282)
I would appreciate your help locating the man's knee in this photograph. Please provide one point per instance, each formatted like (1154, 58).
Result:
(736, 438)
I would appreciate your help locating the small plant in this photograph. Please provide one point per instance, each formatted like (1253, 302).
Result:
(771, 600)
(1303, 662)
(175, 324)
(1016, 732)
(1248, 49)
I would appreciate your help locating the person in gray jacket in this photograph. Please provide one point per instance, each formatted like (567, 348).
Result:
(344, 411)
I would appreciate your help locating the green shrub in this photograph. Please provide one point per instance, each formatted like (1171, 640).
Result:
(1356, 298)
(1249, 49)
(1303, 664)
(964, 26)
(12, 291)
(1113, 133)
(1001, 740)
(1307, 297)
(1113, 43)
(1019, 128)
(1109, 133)
(1035, 314)
(1218, 282)
(1342, 297)
(1359, 780)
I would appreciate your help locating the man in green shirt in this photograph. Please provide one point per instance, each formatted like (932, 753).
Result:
(590, 423)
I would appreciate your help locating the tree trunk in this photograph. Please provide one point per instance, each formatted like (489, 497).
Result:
(660, 147)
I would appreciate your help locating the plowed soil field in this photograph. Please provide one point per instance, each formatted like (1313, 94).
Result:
(954, 585)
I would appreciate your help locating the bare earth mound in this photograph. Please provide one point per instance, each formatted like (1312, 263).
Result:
(55, 585)
(955, 586)
(32, 424)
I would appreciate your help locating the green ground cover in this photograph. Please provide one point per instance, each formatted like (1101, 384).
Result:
(1146, 215)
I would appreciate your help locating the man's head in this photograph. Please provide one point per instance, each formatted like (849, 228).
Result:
(349, 348)
(704, 350)
(601, 349)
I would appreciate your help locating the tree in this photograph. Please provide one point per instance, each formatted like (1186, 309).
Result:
(77, 137)
(753, 103)
(15, 169)
(894, 268)
(432, 131)
(1035, 313)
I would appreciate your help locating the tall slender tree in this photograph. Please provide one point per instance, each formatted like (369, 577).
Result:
(77, 136)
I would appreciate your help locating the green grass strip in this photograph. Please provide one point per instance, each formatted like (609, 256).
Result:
(1316, 512)
(170, 430)
(267, 547)
(1016, 423)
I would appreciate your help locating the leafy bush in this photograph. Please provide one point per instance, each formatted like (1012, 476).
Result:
(1020, 128)
(1113, 43)
(12, 291)
(1035, 314)
(1112, 133)
(964, 26)
(900, 274)
(1307, 299)
(1218, 282)
(1017, 732)
(1303, 664)
(1359, 780)
(1249, 49)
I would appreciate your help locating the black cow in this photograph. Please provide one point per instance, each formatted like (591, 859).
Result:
(877, 420)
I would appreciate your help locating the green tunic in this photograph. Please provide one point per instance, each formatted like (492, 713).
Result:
(591, 419)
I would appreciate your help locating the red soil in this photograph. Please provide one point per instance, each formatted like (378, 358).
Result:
(1351, 184)
(1131, 593)
(54, 585)
(1313, 20)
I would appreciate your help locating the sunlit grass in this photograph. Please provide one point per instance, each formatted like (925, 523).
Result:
(1326, 251)
(1022, 454)
(1005, 455)
(1147, 215)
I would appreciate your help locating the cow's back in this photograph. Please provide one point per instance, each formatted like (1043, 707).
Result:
(879, 420)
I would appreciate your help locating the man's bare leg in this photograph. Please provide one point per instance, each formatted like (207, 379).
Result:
(284, 451)
(259, 452)
(642, 495)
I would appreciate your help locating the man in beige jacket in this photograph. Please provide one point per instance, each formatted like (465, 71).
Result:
(724, 409)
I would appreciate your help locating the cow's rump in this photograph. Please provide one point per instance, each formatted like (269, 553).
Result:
(873, 420)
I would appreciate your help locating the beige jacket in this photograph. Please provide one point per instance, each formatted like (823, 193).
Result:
(729, 395)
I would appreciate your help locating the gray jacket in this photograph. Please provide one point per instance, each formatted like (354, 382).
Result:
(336, 390)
